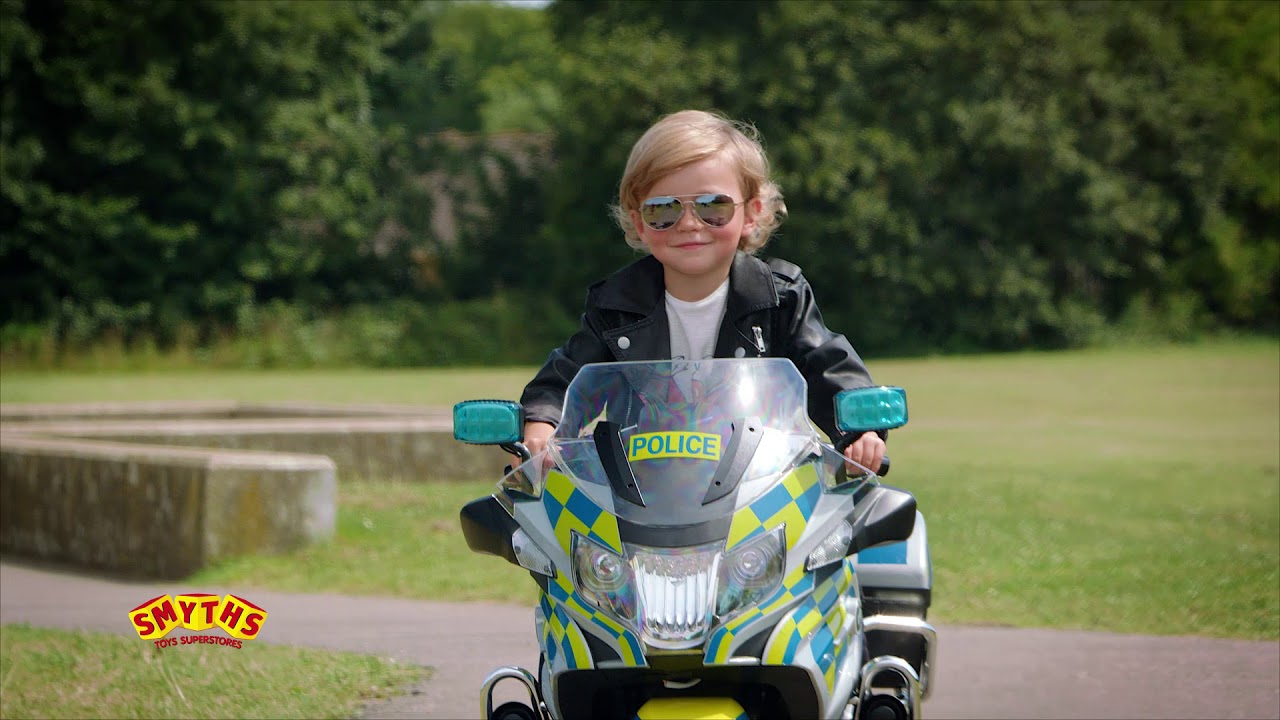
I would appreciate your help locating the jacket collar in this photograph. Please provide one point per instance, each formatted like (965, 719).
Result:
(638, 288)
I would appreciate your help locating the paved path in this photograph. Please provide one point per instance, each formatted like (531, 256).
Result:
(982, 672)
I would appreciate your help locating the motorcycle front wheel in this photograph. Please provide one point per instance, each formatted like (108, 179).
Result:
(514, 710)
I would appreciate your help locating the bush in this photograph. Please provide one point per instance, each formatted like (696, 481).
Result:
(505, 329)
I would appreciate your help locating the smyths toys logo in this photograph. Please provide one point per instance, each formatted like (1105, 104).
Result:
(239, 618)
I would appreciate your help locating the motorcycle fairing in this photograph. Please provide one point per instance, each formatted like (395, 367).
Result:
(560, 509)
(723, 638)
(560, 594)
(799, 504)
(560, 637)
(818, 633)
(790, 503)
(569, 509)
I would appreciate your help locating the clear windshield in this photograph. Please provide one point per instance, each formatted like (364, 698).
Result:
(677, 422)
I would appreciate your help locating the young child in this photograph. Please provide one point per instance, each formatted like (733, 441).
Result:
(696, 196)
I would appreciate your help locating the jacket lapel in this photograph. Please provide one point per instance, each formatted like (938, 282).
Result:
(750, 291)
(646, 339)
(638, 290)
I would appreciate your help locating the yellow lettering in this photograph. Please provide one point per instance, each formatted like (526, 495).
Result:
(652, 446)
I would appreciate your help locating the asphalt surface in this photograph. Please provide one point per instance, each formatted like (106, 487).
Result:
(982, 672)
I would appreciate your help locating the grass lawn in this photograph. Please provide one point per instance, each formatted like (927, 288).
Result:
(1127, 490)
(1132, 491)
(66, 674)
(392, 539)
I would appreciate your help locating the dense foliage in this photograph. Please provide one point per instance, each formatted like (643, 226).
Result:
(355, 175)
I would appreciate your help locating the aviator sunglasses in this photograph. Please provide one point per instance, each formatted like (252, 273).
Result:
(660, 213)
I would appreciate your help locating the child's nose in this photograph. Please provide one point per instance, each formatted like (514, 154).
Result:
(688, 217)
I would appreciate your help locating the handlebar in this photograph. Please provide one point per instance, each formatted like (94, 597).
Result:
(848, 439)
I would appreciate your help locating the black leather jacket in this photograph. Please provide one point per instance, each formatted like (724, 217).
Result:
(770, 312)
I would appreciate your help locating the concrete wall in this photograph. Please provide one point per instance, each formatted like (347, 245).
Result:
(159, 490)
(210, 409)
(399, 449)
(157, 512)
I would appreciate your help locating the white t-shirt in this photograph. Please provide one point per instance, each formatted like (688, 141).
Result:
(694, 327)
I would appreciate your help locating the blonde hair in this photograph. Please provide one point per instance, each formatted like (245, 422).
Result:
(691, 136)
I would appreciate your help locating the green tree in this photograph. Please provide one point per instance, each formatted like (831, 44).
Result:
(470, 90)
(177, 160)
(1238, 269)
(467, 67)
(960, 175)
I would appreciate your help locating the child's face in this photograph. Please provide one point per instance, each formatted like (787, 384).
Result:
(696, 256)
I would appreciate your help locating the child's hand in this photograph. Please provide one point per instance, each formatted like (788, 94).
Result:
(536, 435)
(867, 451)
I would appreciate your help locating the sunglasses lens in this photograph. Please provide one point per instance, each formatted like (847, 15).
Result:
(715, 210)
(661, 213)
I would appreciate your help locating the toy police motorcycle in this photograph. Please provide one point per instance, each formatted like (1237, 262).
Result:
(702, 553)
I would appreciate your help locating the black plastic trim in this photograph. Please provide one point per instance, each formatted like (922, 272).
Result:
(889, 517)
(600, 650)
(488, 528)
(675, 535)
(613, 456)
(896, 601)
(742, 447)
(754, 646)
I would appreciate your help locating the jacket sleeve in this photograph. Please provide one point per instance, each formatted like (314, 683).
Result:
(825, 358)
(543, 397)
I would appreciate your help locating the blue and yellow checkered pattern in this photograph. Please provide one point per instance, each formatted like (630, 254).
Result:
(804, 620)
(836, 615)
(561, 637)
(570, 509)
(791, 502)
(560, 595)
(817, 619)
(795, 585)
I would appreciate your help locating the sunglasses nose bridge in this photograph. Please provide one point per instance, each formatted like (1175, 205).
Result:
(689, 213)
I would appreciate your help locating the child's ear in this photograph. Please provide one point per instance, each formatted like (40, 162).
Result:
(751, 210)
(637, 224)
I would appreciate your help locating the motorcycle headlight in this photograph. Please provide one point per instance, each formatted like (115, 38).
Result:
(751, 572)
(833, 548)
(603, 577)
(671, 596)
(677, 589)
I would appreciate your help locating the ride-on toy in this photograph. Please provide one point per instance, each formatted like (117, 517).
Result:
(702, 552)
